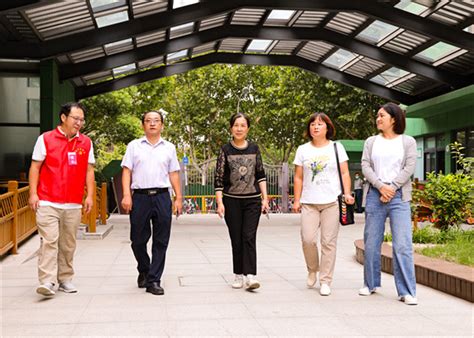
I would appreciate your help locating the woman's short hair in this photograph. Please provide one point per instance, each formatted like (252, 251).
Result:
(398, 114)
(238, 115)
(152, 111)
(331, 131)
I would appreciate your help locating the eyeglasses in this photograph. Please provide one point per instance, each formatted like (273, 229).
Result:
(152, 121)
(77, 119)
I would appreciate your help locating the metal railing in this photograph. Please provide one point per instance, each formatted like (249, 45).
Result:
(198, 183)
(206, 204)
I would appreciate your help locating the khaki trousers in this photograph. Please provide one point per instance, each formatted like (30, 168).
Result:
(57, 229)
(320, 224)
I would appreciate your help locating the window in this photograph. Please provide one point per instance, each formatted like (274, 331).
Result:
(33, 113)
(33, 82)
(259, 45)
(376, 32)
(111, 19)
(124, 69)
(182, 3)
(178, 55)
(436, 52)
(340, 58)
(389, 76)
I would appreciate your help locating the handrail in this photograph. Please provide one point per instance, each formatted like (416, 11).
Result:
(18, 221)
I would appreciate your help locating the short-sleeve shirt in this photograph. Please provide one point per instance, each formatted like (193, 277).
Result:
(150, 163)
(39, 151)
(387, 155)
(320, 176)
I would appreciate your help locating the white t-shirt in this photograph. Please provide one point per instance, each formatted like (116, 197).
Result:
(320, 176)
(387, 155)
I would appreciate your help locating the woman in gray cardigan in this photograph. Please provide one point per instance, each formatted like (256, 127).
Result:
(388, 162)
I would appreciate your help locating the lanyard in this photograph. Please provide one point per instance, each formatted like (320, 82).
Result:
(74, 145)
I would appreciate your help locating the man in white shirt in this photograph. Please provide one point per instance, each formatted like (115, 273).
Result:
(150, 168)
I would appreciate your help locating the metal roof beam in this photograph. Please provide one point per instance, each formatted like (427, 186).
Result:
(273, 33)
(377, 10)
(17, 5)
(118, 32)
(232, 58)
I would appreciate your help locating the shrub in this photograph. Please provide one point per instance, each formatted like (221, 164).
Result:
(449, 196)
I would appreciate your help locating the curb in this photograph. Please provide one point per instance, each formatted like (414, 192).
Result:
(451, 278)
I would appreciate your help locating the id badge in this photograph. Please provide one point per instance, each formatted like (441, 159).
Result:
(72, 158)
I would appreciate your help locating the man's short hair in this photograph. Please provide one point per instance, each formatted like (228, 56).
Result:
(67, 107)
(159, 112)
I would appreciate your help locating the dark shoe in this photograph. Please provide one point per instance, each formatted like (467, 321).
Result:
(142, 279)
(155, 289)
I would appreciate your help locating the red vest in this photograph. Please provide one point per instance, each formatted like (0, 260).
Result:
(60, 182)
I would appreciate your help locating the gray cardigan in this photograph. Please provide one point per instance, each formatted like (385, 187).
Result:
(403, 180)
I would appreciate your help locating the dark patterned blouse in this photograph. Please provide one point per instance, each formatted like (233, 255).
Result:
(239, 171)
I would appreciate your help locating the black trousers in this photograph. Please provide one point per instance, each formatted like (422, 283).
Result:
(242, 216)
(157, 209)
(358, 200)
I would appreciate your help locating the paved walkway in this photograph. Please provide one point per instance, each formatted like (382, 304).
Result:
(199, 301)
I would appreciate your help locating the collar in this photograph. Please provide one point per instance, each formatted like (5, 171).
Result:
(64, 134)
(145, 140)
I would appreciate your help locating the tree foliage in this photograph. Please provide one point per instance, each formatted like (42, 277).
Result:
(199, 103)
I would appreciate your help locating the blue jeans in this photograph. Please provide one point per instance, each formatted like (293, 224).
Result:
(399, 213)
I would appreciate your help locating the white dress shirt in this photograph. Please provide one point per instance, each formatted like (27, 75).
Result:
(150, 164)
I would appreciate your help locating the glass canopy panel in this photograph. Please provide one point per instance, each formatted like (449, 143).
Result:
(281, 15)
(177, 55)
(376, 31)
(339, 58)
(259, 45)
(100, 5)
(118, 43)
(124, 69)
(111, 19)
(184, 27)
(411, 7)
(437, 51)
(389, 76)
(182, 3)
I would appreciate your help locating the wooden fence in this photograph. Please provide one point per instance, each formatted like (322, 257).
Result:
(18, 221)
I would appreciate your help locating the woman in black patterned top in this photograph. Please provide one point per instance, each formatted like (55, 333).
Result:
(241, 195)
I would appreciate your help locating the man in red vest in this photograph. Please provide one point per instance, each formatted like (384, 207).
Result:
(63, 162)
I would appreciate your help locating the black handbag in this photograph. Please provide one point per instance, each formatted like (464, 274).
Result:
(346, 211)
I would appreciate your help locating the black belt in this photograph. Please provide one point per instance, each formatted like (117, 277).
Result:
(150, 191)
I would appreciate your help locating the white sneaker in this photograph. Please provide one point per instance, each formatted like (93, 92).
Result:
(46, 289)
(238, 282)
(311, 279)
(67, 287)
(365, 291)
(251, 283)
(408, 300)
(325, 290)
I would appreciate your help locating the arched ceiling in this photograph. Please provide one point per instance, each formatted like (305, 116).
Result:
(406, 51)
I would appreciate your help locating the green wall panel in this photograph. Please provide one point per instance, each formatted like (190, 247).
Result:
(53, 94)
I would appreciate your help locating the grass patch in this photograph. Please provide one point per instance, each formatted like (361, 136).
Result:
(453, 244)
(459, 251)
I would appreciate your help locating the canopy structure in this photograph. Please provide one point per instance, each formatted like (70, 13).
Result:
(405, 51)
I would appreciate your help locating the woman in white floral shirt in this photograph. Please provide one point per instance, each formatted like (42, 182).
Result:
(316, 187)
